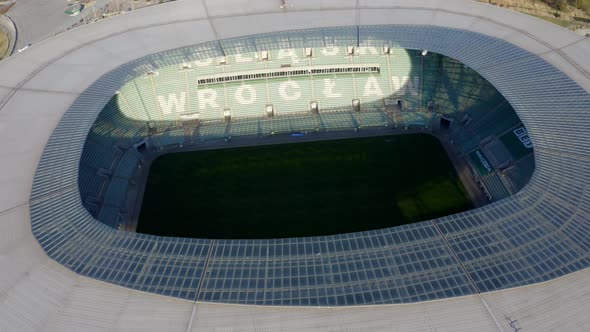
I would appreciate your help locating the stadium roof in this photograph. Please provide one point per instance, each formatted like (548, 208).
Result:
(538, 235)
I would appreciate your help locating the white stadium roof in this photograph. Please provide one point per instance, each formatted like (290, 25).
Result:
(38, 86)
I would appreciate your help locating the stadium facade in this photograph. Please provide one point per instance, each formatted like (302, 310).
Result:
(63, 269)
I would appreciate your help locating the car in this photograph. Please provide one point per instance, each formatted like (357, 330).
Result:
(74, 9)
(24, 48)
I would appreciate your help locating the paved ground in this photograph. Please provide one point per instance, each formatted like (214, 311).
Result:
(38, 20)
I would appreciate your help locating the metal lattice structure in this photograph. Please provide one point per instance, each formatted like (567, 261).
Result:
(496, 247)
(537, 235)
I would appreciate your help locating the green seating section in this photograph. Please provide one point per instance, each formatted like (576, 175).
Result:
(171, 93)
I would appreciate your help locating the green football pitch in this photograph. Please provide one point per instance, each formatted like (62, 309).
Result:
(301, 189)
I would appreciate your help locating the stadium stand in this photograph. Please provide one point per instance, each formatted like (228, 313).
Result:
(495, 186)
(61, 265)
(128, 164)
(375, 119)
(408, 90)
(520, 173)
(138, 112)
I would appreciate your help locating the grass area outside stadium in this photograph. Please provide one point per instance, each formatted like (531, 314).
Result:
(4, 44)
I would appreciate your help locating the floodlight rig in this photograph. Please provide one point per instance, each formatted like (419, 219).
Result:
(356, 105)
(227, 115)
(269, 109)
(314, 107)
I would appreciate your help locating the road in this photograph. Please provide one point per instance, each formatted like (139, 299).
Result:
(38, 20)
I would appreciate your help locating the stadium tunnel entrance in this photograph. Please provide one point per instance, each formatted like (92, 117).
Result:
(180, 103)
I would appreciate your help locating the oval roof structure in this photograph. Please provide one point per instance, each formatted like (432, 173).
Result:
(62, 269)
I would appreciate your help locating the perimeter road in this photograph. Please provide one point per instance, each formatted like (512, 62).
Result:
(38, 20)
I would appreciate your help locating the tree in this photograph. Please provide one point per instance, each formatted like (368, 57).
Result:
(583, 4)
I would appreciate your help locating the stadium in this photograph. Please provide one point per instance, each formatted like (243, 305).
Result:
(85, 112)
